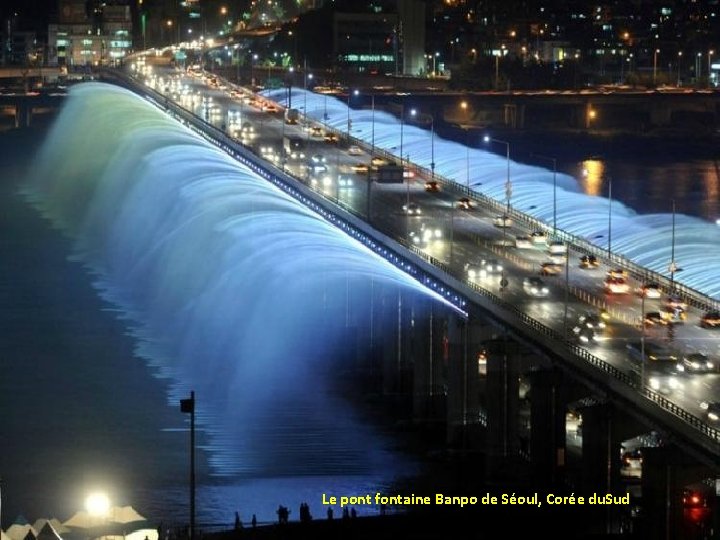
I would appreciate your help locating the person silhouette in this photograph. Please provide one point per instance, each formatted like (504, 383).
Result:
(330, 514)
(254, 521)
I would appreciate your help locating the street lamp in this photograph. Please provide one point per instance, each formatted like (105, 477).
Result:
(679, 59)
(372, 136)
(252, 69)
(710, 53)
(353, 93)
(508, 185)
(554, 162)
(609, 217)
(413, 112)
(657, 51)
(402, 124)
(673, 267)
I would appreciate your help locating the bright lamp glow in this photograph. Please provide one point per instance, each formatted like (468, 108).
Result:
(97, 504)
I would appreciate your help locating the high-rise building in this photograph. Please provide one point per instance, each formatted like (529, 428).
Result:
(412, 35)
(90, 33)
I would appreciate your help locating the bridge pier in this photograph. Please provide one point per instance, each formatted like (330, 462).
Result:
(548, 405)
(429, 353)
(502, 405)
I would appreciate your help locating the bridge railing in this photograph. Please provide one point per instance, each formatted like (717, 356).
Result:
(532, 328)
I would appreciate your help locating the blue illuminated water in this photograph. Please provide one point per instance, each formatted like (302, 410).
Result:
(231, 289)
(581, 208)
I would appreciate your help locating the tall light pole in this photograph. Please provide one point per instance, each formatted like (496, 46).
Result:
(710, 53)
(252, 70)
(554, 162)
(353, 93)
(402, 123)
(508, 184)
(655, 65)
(673, 267)
(508, 195)
(609, 217)
(467, 159)
(679, 59)
(372, 136)
(413, 112)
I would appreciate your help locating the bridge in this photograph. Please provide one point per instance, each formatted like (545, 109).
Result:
(467, 366)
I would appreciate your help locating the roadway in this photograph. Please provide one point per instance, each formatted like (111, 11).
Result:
(466, 237)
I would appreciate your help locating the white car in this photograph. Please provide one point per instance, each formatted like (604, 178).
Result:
(535, 286)
(345, 181)
(355, 150)
(475, 271)
(502, 221)
(557, 248)
(523, 242)
(539, 237)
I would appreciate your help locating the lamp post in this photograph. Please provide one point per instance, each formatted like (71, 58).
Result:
(402, 124)
(508, 195)
(413, 112)
(679, 59)
(252, 70)
(609, 217)
(372, 136)
(554, 162)
(508, 184)
(655, 65)
(353, 93)
(673, 267)
(710, 53)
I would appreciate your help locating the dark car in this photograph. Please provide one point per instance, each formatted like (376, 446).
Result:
(711, 319)
(653, 318)
(589, 261)
(432, 186)
(698, 363)
(712, 410)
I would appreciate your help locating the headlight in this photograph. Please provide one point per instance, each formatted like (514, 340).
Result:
(654, 383)
(712, 416)
(545, 290)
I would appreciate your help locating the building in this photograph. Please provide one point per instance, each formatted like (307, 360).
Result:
(412, 32)
(90, 34)
(366, 42)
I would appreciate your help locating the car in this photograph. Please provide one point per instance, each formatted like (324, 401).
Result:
(360, 168)
(711, 319)
(355, 150)
(432, 186)
(492, 266)
(650, 290)
(345, 181)
(317, 158)
(316, 164)
(654, 353)
(475, 271)
(674, 316)
(585, 334)
(591, 320)
(523, 242)
(425, 235)
(697, 363)
(557, 248)
(674, 301)
(377, 161)
(712, 410)
(503, 221)
(316, 131)
(616, 285)
(665, 382)
(550, 269)
(631, 464)
(589, 261)
(539, 237)
(330, 137)
(464, 203)
(653, 318)
(535, 286)
(412, 209)
(617, 273)
(270, 108)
